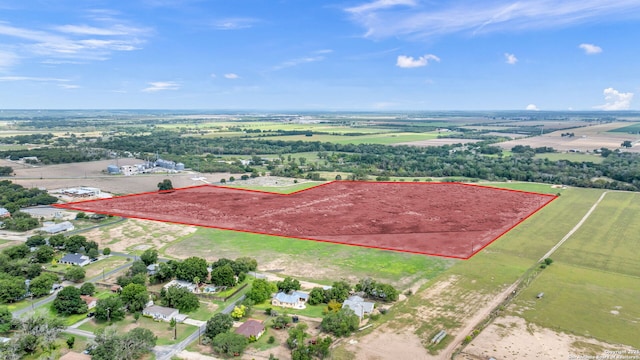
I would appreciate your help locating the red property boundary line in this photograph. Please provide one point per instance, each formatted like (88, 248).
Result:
(71, 206)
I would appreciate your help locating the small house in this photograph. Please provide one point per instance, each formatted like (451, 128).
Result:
(181, 284)
(295, 300)
(4, 213)
(116, 288)
(90, 301)
(359, 306)
(75, 259)
(251, 328)
(152, 269)
(58, 228)
(163, 313)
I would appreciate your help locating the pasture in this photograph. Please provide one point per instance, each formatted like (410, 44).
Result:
(571, 156)
(383, 139)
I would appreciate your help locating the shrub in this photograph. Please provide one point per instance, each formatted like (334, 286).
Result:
(271, 340)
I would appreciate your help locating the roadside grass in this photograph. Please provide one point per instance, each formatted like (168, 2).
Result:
(401, 269)
(576, 157)
(608, 240)
(68, 320)
(584, 302)
(203, 313)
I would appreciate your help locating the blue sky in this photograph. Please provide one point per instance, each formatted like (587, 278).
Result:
(320, 55)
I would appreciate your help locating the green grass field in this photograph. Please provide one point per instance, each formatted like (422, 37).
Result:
(278, 189)
(633, 129)
(577, 157)
(609, 240)
(384, 138)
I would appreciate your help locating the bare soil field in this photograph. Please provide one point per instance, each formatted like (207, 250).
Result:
(135, 234)
(585, 139)
(443, 219)
(438, 142)
(511, 337)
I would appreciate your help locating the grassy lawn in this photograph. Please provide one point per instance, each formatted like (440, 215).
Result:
(204, 312)
(68, 320)
(314, 311)
(577, 157)
(160, 329)
(585, 302)
(110, 263)
(399, 268)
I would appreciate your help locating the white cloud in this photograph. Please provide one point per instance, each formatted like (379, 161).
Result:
(7, 60)
(231, 76)
(69, 86)
(590, 49)
(31, 78)
(298, 61)
(161, 86)
(511, 59)
(532, 107)
(409, 62)
(213, 76)
(234, 23)
(616, 100)
(383, 19)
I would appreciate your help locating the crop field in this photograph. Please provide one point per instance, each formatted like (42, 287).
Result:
(569, 156)
(630, 129)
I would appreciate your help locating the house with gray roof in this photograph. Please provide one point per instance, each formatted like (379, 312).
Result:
(58, 228)
(75, 259)
(359, 306)
(4, 213)
(294, 300)
(163, 313)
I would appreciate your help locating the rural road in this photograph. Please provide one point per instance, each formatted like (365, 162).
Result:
(484, 313)
(166, 352)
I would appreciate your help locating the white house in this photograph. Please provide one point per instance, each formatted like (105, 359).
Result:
(58, 228)
(295, 300)
(182, 284)
(75, 259)
(163, 313)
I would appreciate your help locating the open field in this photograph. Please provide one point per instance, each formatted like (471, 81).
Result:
(571, 156)
(438, 142)
(585, 139)
(629, 129)
(443, 219)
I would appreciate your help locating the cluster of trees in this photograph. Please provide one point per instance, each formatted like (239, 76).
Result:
(223, 341)
(33, 331)
(380, 160)
(303, 349)
(6, 170)
(179, 298)
(112, 345)
(377, 290)
(13, 197)
(27, 139)
(73, 244)
(58, 155)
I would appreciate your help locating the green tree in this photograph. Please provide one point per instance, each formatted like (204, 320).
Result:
(73, 243)
(261, 290)
(87, 289)
(180, 298)
(149, 256)
(75, 274)
(68, 302)
(223, 276)
(288, 284)
(339, 292)
(6, 319)
(138, 267)
(238, 312)
(42, 284)
(11, 288)
(106, 251)
(43, 254)
(135, 297)
(36, 240)
(57, 241)
(112, 345)
(627, 144)
(93, 253)
(316, 296)
(17, 252)
(71, 340)
(229, 343)
(218, 324)
(192, 267)
(110, 309)
(165, 185)
(341, 323)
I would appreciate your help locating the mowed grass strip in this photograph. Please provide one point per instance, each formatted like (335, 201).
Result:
(576, 157)
(609, 239)
(584, 302)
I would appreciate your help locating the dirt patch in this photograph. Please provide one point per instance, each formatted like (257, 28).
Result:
(511, 337)
(190, 355)
(387, 343)
(450, 220)
(137, 234)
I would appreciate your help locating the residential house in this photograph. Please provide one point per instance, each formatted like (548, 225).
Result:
(359, 306)
(295, 300)
(181, 283)
(116, 288)
(90, 301)
(251, 328)
(4, 213)
(58, 228)
(152, 269)
(75, 259)
(163, 313)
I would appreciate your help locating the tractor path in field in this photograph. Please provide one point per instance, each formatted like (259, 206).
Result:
(485, 312)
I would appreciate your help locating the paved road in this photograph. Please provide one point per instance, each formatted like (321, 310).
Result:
(166, 352)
